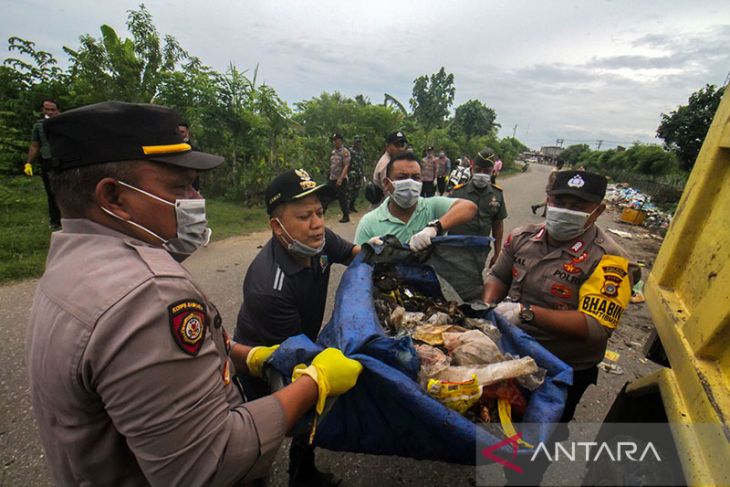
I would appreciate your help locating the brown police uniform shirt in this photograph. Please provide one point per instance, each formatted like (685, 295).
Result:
(129, 371)
(339, 158)
(590, 274)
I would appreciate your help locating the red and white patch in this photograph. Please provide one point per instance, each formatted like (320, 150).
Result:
(581, 258)
(577, 246)
(188, 324)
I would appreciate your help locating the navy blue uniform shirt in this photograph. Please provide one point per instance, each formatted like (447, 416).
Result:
(282, 298)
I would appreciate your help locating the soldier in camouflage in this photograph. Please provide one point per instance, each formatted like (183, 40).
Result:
(355, 176)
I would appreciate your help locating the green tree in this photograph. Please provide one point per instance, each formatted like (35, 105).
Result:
(432, 98)
(24, 82)
(111, 68)
(685, 128)
(574, 154)
(474, 118)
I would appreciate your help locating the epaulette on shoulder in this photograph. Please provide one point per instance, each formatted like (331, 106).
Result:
(458, 186)
(496, 186)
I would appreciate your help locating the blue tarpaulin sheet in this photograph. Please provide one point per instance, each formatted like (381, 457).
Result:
(387, 412)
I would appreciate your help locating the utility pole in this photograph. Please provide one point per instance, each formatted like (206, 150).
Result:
(514, 131)
(559, 142)
(600, 143)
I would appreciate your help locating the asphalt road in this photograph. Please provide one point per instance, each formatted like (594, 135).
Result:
(220, 269)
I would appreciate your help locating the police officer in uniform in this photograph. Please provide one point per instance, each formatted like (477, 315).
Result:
(567, 281)
(490, 201)
(129, 364)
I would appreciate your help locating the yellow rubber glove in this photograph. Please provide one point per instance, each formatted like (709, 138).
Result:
(334, 374)
(256, 358)
(28, 169)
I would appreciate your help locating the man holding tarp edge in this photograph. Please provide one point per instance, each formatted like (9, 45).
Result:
(128, 362)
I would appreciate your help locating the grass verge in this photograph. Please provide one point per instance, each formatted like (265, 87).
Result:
(24, 218)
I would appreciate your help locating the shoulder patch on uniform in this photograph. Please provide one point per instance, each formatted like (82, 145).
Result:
(458, 186)
(606, 293)
(188, 324)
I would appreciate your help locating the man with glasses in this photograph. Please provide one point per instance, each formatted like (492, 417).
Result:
(405, 214)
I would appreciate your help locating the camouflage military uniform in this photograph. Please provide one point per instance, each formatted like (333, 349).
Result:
(354, 177)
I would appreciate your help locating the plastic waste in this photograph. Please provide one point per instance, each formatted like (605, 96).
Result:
(472, 348)
(492, 373)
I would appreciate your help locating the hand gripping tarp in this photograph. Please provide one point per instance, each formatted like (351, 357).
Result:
(387, 412)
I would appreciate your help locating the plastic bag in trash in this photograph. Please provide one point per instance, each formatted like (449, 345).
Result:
(472, 348)
(489, 374)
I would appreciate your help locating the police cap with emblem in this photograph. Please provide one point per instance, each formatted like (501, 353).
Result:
(395, 137)
(115, 131)
(585, 185)
(295, 184)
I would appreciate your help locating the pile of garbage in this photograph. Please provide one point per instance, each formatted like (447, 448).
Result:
(461, 364)
(624, 196)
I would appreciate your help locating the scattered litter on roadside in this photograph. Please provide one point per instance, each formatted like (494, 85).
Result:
(611, 368)
(637, 298)
(621, 233)
(612, 356)
(637, 207)
(637, 292)
(643, 360)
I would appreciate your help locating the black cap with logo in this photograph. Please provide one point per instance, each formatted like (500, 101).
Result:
(294, 184)
(484, 158)
(585, 185)
(395, 137)
(116, 131)
(336, 135)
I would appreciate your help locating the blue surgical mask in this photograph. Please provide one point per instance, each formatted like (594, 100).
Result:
(298, 248)
(192, 225)
(406, 192)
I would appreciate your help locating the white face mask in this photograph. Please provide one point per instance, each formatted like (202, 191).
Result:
(563, 224)
(192, 225)
(406, 192)
(297, 247)
(480, 180)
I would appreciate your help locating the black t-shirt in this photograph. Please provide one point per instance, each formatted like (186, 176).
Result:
(282, 298)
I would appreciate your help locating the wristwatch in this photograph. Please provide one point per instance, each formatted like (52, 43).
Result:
(437, 225)
(526, 314)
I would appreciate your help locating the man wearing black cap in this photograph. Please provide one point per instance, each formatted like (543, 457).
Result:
(128, 362)
(339, 167)
(567, 281)
(285, 288)
(489, 199)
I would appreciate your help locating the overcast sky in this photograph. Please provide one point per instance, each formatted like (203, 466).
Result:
(579, 70)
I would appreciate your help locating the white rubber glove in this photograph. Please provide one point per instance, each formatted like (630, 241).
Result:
(422, 239)
(375, 241)
(509, 311)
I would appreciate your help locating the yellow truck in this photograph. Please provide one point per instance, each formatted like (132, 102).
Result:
(688, 295)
